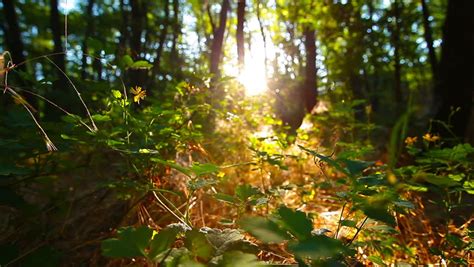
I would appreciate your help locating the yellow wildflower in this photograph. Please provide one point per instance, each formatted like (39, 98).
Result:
(431, 137)
(409, 141)
(138, 94)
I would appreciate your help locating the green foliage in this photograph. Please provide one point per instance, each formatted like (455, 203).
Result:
(295, 227)
(152, 141)
(207, 246)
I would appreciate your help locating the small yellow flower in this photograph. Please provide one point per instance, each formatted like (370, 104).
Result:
(409, 141)
(431, 138)
(138, 94)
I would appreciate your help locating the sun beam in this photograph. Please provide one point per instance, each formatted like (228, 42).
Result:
(253, 76)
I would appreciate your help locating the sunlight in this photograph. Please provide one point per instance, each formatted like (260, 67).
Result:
(253, 76)
(67, 5)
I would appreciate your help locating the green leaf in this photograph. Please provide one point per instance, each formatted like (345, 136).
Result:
(328, 160)
(372, 180)
(131, 242)
(71, 118)
(349, 223)
(296, 222)
(379, 213)
(238, 258)
(117, 94)
(205, 168)
(469, 187)
(219, 237)
(404, 204)
(162, 241)
(455, 241)
(198, 245)
(377, 260)
(318, 247)
(264, 229)
(141, 64)
(243, 192)
(173, 165)
(201, 183)
(225, 198)
(127, 61)
(355, 167)
(99, 117)
(441, 181)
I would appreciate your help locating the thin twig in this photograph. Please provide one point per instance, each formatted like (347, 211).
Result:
(340, 219)
(53, 104)
(358, 230)
(49, 144)
(169, 210)
(78, 94)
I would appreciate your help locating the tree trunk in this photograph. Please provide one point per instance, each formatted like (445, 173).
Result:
(310, 87)
(89, 30)
(429, 38)
(124, 33)
(455, 85)
(137, 27)
(175, 58)
(137, 77)
(218, 41)
(14, 44)
(240, 34)
(264, 37)
(56, 29)
(396, 46)
(161, 42)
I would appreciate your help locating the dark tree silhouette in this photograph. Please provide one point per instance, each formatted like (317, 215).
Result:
(13, 40)
(428, 34)
(310, 87)
(455, 83)
(218, 41)
(57, 30)
(240, 33)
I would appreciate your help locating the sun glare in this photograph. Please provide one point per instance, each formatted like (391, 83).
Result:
(253, 76)
(67, 5)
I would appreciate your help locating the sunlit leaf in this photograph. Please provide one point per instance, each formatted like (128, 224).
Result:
(377, 260)
(318, 246)
(99, 117)
(204, 168)
(238, 258)
(131, 242)
(296, 222)
(264, 229)
(162, 241)
(197, 243)
(141, 64)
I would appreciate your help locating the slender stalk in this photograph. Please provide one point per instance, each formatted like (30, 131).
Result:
(77, 92)
(358, 231)
(53, 104)
(340, 219)
(169, 210)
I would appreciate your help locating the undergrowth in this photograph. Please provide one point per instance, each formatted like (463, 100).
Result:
(142, 182)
